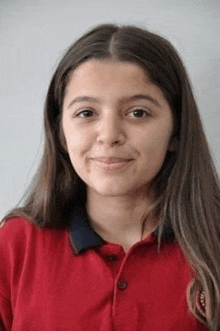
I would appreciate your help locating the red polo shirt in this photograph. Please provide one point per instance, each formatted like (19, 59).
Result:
(70, 279)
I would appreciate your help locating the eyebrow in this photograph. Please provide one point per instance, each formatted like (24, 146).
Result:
(123, 99)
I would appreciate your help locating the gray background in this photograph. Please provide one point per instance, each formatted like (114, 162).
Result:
(33, 37)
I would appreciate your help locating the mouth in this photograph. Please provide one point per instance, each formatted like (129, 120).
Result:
(111, 163)
(110, 160)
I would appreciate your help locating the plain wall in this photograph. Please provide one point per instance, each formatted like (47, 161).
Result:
(34, 35)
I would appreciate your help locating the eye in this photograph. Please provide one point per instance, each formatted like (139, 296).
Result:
(139, 113)
(84, 113)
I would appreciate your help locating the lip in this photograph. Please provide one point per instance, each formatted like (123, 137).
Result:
(110, 160)
(111, 163)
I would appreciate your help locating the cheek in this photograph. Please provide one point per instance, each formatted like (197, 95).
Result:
(155, 150)
(78, 144)
(74, 140)
(74, 137)
(72, 134)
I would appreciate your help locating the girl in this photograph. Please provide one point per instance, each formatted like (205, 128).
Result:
(120, 229)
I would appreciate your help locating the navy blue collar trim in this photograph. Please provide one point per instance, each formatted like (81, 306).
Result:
(82, 235)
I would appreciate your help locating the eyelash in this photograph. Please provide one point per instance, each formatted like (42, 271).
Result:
(83, 112)
(88, 111)
(140, 110)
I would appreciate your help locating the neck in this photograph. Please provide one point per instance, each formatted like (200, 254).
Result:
(122, 219)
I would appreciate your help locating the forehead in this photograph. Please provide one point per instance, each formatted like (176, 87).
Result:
(111, 64)
(105, 70)
(108, 77)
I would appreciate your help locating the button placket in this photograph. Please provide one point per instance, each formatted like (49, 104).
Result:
(121, 282)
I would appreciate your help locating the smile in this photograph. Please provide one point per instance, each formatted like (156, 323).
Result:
(111, 163)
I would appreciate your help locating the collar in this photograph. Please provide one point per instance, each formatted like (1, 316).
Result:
(82, 235)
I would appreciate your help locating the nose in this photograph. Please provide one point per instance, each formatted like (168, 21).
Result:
(111, 131)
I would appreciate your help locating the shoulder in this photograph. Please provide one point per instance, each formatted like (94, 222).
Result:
(19, 237)
(12, 225)
(15, 237)
(15, 230)
(13, 242)
(19, 232)
(22, 244)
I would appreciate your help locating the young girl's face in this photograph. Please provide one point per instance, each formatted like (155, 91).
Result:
(117, 126)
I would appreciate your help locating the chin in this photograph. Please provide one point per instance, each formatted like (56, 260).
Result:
(114, 190)
(109, 189)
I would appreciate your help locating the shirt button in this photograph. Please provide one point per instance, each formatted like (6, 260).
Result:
(122, 285)
(112, 257)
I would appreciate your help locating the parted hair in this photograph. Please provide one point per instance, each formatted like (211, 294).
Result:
(187, 186)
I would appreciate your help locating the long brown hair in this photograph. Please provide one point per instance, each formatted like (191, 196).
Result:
(188, 195)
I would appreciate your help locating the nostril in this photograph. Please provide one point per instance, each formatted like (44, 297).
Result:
(111, 137)
(111, 142)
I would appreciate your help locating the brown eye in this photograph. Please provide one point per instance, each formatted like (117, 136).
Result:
(139, 113)
(85, 113)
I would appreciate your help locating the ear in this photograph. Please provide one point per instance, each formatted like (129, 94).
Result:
(173, 144)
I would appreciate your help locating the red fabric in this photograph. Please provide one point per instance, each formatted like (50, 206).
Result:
(45, 286)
